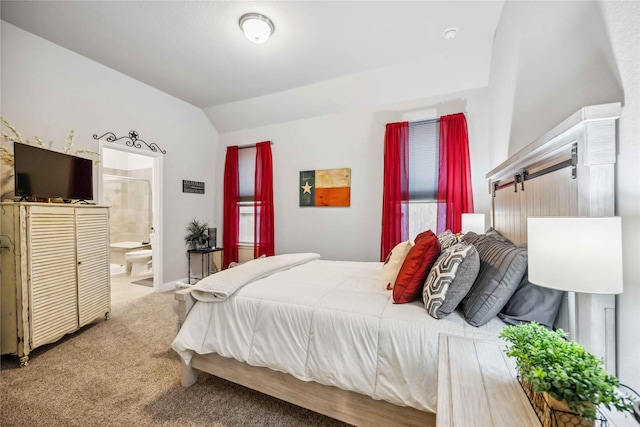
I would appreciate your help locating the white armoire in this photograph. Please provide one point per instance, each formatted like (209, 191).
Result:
(55, 272)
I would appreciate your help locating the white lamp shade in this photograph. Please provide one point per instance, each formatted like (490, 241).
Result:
(576, 254)
(258, 28)
(473, 222)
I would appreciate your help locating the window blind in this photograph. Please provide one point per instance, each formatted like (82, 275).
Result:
(246, 173)
(423, 160)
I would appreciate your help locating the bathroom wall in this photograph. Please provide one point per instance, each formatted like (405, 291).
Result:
(128, 193)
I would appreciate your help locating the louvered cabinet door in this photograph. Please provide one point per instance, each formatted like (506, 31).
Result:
(93, 263)
(52, 273)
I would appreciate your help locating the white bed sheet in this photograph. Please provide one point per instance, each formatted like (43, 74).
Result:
(330, 322)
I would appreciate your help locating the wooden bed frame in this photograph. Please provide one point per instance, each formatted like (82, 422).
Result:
(592, 132)
(346, 406)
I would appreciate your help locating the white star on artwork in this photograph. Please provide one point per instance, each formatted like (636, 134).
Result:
(306, 187)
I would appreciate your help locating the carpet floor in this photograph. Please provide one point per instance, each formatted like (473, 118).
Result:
(123, 372)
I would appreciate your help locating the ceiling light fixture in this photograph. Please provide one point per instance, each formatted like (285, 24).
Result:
(450, 33)
(258, 28)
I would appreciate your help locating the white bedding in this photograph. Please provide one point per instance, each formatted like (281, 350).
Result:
(330, 322)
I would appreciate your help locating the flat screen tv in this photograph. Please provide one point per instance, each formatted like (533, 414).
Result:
(48, 174)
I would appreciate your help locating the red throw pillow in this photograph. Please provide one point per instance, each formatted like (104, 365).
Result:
(416, 267)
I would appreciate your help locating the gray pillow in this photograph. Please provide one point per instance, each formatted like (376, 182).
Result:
(471, 237)
(492, 232)
(532, 303)
(502, 265)
(450, 279)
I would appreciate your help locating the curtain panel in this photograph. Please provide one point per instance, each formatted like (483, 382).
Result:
(231, 219)
(455, 195)
(263, 203)
(395, 197)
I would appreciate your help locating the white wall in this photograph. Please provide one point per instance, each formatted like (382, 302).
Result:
(621, 21)
(48, 90)
(550, 59)
(353, 139)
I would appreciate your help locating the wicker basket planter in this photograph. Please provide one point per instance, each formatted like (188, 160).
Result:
(553, 413)
(552, 363)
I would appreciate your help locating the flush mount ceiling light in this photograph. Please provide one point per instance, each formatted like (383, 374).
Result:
(258, 28)
(450, 33)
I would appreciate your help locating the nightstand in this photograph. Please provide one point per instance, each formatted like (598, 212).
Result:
(205, 254)
(477, 386)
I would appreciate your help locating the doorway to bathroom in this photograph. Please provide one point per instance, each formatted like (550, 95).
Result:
(130, 184)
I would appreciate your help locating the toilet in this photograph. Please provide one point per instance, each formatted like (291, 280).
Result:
(141, 261)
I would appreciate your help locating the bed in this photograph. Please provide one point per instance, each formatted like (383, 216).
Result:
(355, 356)
(330, 322)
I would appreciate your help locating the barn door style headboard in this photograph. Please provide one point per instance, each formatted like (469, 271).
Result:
(569, 171)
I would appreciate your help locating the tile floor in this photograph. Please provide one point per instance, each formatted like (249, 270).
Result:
(123, 290)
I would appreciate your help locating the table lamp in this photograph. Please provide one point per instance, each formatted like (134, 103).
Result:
(578, 254)
(473, 222)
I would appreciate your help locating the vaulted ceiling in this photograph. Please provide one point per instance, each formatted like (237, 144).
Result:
(196, 51)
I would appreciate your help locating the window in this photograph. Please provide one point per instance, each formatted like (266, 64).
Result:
(423, 176)
(247, 224)
(246, 173)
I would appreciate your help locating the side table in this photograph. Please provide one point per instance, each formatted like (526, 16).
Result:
(477, 386)
(204, 253)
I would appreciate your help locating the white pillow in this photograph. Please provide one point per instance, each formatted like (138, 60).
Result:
(392, 264)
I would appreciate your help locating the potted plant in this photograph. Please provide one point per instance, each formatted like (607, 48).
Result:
(197, 234)
(562, 375)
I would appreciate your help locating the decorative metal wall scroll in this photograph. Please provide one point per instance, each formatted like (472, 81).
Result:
(130, 140)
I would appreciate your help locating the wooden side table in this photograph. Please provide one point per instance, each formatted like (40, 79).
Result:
(477, 386)
(204, 253)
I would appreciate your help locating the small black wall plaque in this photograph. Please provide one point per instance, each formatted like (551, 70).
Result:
(196, 187)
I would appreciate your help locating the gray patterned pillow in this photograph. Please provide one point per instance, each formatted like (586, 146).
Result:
(447, 239)
(450, 279)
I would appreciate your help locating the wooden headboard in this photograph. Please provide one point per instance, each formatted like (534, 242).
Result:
(569, 171)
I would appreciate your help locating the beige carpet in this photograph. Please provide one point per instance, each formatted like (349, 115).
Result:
(123, 372)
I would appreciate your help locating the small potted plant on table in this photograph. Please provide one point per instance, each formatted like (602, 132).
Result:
(197, 234)
(564, 382)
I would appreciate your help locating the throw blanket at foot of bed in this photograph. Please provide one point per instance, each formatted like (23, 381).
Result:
(220, 286)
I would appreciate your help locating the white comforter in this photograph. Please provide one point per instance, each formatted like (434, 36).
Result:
(330, 322)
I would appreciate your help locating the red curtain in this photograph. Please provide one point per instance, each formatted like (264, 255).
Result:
(263, 201)
(395, 197)
(231, 224)
(455, 195)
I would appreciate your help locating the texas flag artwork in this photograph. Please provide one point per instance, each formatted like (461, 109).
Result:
(329, 187)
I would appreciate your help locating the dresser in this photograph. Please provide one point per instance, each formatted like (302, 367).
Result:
(55, 272)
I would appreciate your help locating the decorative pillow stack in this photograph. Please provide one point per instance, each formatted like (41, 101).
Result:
(392, 264)
(450, 279)
(416, 266)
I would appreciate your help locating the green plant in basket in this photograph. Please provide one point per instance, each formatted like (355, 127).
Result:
(563, 369)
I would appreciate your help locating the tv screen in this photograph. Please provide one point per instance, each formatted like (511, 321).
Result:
(44, 173)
